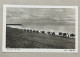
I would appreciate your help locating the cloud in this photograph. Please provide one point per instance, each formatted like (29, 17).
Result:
(47, 16)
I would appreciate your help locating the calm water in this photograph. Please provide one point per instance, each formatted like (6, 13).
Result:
(57, 29)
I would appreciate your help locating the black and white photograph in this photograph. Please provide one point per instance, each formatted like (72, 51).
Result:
(40, 28)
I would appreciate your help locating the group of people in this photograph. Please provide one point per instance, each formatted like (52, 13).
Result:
(67, 35)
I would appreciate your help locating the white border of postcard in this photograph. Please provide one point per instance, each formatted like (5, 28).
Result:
(4, 49)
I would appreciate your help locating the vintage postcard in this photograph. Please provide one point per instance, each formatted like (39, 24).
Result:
(31, 28)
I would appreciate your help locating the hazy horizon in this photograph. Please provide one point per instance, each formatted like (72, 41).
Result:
(47, 19)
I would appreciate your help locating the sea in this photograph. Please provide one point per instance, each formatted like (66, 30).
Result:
(56, 29)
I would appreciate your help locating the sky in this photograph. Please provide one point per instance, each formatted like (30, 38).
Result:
(43, 18)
